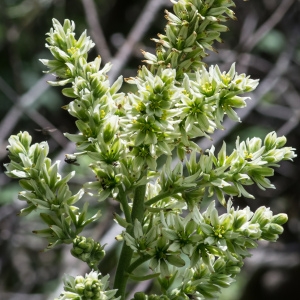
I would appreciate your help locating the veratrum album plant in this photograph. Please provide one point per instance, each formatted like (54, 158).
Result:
(192, 252)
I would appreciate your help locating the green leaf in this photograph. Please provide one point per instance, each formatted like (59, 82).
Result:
(48, 219)
(76, 138)
(72, 214)
(45, 233)
(175, 260)
(121, 221)
(116, 85)
(69, 92)
(25, 184)
(27, 210)
(59, 232)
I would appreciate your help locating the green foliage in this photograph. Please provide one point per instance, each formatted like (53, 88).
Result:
(192, 254)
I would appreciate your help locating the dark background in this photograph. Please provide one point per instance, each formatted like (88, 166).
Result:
(265, 43)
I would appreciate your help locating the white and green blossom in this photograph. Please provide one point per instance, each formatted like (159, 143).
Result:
(131, 139)
(92, 286)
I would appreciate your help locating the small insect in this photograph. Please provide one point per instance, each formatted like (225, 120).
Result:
(46, 130)
(71, 159)
(115, 164)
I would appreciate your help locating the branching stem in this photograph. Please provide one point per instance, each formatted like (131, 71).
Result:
(122, 197)
(164, 195)
(126, 253)
(138, 262)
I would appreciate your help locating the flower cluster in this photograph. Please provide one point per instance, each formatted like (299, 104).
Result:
(91, 287)
(166, 115)
(133, 131)
(87, 250)
(65, 49)
(197, 255)
(44, 188)
(193, 254)
(252, 162)
(192, 29)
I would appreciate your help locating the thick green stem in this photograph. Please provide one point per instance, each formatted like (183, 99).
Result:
(126, 253)
(138, 203)
(173, 192)
(122, 197)
(121, 273)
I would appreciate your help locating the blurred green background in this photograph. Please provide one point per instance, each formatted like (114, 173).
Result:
(265, 43)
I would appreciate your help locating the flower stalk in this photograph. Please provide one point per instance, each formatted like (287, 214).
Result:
(126, 253)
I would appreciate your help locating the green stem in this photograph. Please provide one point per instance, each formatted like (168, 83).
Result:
(122, 197)
(126, 253)
(164, 195)
(138, 262)
(173, 192)
(138, 203)
(121, 273)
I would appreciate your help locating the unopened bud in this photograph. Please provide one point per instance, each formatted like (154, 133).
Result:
(279, 219)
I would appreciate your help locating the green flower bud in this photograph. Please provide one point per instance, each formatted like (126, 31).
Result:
(273, 228)
(226, 221)
(219, 265)
(140, 296)
(250, 243)
(16, 147)
(240, 219)
(175, 260)
(222, 280)
(279, 219)
(253, 231)
(262, 216)
(79, 286)
(98, 251)
(254, 145)
(110, 128)
(87, 250)
(77, 110)
(269, 236)
(85, 256)
(76, 251)
(83, 243)
(208, 290)
(270, 140)
(280, 142)
(234, 270)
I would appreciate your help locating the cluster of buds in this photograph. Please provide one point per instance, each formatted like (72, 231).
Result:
(142, 296)
(88, 250)
(44, 188)
(93, 286)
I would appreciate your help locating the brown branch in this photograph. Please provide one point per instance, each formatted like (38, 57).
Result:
(137, 32)
(98, 37)
(268, 25)
(23, 105)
